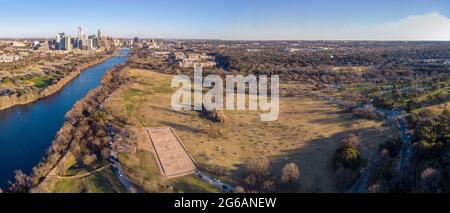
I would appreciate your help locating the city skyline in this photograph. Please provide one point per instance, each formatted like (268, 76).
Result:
(232, 20)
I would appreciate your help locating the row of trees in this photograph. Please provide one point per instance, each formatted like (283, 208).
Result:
(258, 177)
(84, 134)
(429, 167)
(52, 73)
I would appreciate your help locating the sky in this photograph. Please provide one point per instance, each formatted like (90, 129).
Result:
(231, 19)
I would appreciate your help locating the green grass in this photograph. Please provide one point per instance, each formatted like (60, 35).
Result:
(191, 184)
(163, 88)
(71, 167)
(130, 101)
(41, 82)
(144, 164)
(104, 181)
(68, 186)
(142, 168)
(425, 96)
(144, 161)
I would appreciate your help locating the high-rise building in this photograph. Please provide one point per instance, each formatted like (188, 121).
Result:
(136, 39)
(99, 34)
(58, 42)
(79, 32)
(67, 43)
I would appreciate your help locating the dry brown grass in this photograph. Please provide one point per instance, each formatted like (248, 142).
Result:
(307, 133)
(437, 109)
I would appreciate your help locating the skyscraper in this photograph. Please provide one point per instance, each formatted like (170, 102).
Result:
(67, 43)
(99, 34)
(58, 42)
(79, 32)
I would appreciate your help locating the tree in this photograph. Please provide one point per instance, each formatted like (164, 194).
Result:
(393, 147)
(22, 183)
(351, 140)
(239, 189)
(89, 160)
(258, 166)
(257, 171)
(430, 180)
(290, 173)
(348, 156)
(269, 186)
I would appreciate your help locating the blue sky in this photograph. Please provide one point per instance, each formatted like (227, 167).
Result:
(229, 19)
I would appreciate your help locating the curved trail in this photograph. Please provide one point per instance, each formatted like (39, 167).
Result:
(85, 174)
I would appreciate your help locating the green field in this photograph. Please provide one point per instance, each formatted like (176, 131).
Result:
(104, 181)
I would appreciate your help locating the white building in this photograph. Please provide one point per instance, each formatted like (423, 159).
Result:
(9, 58)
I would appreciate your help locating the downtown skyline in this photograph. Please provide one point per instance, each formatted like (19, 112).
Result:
(232, 20)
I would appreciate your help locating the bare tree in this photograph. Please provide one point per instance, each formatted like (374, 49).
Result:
(22, 183)
(89, 160)
(239, 189)
(430, 179)
(290, 173)
(257, 171)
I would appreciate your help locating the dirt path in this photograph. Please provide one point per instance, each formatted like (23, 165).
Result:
(85, 174)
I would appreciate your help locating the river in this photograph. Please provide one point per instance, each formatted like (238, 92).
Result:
(27, 131)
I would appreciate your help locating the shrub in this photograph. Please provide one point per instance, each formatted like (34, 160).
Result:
(89, 160)
(257, 171)
(290, 173)
(393, 147)
(239, 189)
(348, 156)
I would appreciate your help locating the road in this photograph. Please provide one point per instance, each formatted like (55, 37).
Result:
(406, 153)
(117, 167)
(215, 182)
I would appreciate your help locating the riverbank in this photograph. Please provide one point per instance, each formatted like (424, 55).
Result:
(14, 100)
(72, 142)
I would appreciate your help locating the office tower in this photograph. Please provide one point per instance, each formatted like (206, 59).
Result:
(79, 43)
(79, 32)
(58, 42)
(67, 43)
(99, 34)
(136, 39)
(90, 43)
(84, 42)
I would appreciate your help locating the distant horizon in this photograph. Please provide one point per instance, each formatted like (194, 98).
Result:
(233, 20)
(247, 40)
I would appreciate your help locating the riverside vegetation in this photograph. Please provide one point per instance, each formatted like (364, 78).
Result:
(316, 146)
(29, 81)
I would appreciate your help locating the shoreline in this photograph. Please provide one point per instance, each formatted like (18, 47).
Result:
(11, 101)
(108, 84)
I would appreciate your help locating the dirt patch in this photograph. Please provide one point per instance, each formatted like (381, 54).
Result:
(173, 157)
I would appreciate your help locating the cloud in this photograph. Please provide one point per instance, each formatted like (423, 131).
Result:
(432, 26)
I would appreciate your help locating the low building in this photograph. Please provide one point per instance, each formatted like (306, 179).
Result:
(9, 58)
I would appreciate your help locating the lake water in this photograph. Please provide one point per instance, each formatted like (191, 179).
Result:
(27, 131)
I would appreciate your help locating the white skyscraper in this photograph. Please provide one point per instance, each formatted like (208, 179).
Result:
(67, 43)
(79, 32)
(58, 38)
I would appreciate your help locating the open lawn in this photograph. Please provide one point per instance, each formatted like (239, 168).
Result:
(307, 133)
(72, 177)
(104, 181)
(437, 109)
